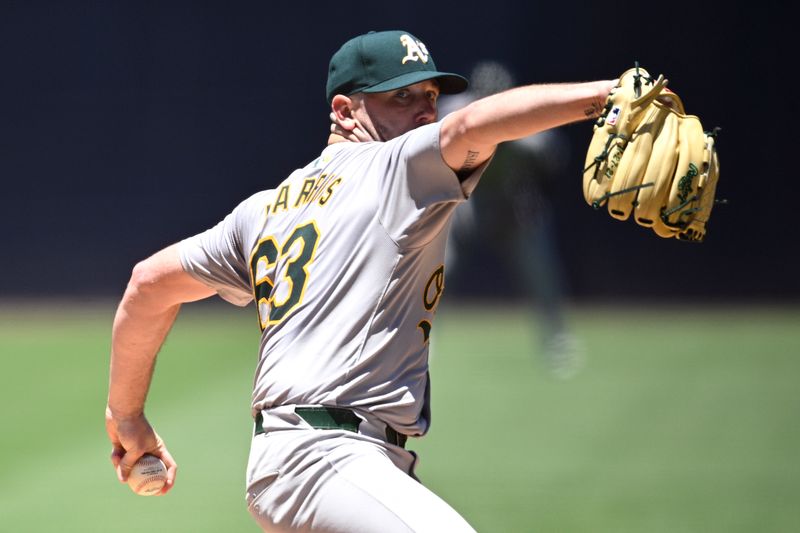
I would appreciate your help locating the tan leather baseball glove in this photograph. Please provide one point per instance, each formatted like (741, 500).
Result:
(648, 158)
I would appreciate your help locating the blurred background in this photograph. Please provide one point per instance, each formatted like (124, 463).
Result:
(126, 126)
(667, 401)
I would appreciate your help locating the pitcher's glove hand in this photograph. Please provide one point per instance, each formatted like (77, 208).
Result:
(649, 158)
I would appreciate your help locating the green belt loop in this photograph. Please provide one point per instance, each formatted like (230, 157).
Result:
(393, 437)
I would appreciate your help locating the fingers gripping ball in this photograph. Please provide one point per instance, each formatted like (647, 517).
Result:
(148, 476)
(649, 159)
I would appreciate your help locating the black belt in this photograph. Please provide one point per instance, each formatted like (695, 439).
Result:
(324, 417)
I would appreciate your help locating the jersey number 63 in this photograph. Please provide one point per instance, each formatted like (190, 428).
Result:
(263, 262)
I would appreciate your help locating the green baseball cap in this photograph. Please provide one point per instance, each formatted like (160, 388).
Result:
(383, 61)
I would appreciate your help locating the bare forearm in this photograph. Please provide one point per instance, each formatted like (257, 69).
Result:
(470, 135)
(523, 111)
(140, 328)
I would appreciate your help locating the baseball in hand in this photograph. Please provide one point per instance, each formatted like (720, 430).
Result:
(148, 476)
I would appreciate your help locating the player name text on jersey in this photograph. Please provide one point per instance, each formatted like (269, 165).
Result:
(319, 189)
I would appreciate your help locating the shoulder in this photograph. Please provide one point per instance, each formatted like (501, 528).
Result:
(255, 202)
(425, 135)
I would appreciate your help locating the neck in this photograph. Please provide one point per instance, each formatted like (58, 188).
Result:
(334, 138)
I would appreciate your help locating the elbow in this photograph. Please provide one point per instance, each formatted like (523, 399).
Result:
(145, 279)
(470, 125)
(457, 125)
(148, 289)
(159, 283)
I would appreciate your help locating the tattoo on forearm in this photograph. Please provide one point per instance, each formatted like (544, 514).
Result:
(595, 108)
(470, 161)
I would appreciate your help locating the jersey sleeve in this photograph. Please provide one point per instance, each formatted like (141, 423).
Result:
(419, 188)
(217, 256)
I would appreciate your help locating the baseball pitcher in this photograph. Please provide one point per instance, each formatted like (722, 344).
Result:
(344, 261)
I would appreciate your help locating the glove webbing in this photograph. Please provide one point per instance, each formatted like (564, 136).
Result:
(637, 80)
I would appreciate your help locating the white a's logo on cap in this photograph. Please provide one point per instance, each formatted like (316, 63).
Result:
(415, 50)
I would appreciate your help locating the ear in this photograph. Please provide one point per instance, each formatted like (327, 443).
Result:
(342, 112)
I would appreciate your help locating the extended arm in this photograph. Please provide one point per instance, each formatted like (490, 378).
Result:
(155, 292)
(470, 135)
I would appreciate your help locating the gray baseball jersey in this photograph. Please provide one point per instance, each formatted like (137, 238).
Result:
(345, 260)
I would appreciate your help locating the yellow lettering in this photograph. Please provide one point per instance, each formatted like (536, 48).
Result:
(325, 197)
(433, 289)
(283, 199)
(319, 190)
(318, 187)
(305, 192)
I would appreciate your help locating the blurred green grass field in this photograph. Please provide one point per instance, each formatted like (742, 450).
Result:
(679, 422)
